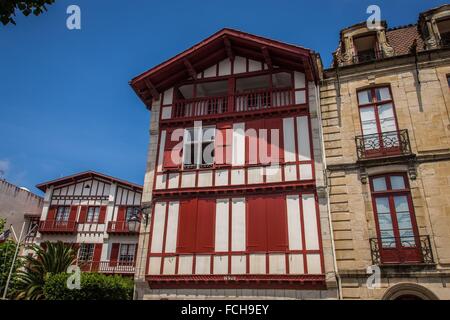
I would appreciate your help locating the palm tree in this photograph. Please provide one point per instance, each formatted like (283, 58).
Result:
(51, 258)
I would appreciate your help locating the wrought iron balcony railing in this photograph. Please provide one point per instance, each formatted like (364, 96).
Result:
(383, 144)
(368, 56)
(408, 250)
(56, 226)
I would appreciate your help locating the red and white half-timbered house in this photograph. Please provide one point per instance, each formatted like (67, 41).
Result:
(234, 175)
(92, 211)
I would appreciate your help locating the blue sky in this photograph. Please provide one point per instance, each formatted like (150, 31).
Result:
(65, 102)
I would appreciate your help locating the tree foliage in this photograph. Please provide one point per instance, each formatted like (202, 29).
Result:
(93, 286)
(8, 8)
(7, 250)
(52, 258)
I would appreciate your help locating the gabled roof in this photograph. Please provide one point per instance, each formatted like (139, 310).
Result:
(83, 175)
(226, 43)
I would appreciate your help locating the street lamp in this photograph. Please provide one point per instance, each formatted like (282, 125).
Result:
(135, 218)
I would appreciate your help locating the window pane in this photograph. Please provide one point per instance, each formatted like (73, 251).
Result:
(379, 184)
(382, 205)
(208, 134)
(385, 222)
(387, 239)
(369, 124)
(398, 183)
(407, 238)
(387, 118)
(383, 94)
(364, 97)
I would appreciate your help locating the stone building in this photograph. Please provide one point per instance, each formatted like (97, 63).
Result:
(386, 130)
(19, 205)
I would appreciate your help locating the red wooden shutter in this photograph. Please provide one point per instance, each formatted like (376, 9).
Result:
(97, 256)
(83, 214)
(205, 225)
(102, 214)
(51, 214)
(251, 141)
(73, 213)
(275, 146)
(222, 152)
(277, 236)
(121, 214)
(187, 223)
(172, 148)
(114, 254)
(256, 224)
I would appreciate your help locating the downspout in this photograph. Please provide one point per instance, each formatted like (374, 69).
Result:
(330, 222)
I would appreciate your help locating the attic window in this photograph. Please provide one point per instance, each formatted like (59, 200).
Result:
(444, 31)
(366, 48)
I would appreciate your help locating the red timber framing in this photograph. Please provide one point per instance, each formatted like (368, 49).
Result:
(227, 43)
(265, 201)
(274, 122)
(266, 233)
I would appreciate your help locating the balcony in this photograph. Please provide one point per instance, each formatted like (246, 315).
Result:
(368, 56)
(57, 226)
(414, 250)
(108, 267)
(380, 145)
(120, 227)
(256, 100)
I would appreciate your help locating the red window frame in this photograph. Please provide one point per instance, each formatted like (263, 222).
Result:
(399, 253)
(375, 104)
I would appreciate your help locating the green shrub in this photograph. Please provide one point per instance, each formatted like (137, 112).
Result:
(93, 286)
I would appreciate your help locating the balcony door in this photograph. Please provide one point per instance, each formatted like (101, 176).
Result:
(378, 122)
(398, 239)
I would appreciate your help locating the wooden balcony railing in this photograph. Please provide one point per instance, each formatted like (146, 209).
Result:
(109, 267)
(408, 250)
(240, 102)
(57, 226)
(120, 227)
(201, 107)
(383, 144)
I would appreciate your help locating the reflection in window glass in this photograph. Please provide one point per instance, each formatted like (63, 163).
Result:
(397, 183)
(383, 94)
(379, 184)
(365, 97)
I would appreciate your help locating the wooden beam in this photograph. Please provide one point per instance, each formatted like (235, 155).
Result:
(152, 88)
(190, 68)
(228, 48)
(266, 55)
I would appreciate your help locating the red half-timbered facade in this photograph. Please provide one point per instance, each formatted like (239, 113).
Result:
(91, 211)
(232, 168)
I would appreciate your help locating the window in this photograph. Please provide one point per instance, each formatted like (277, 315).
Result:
(127, 252)
(131, 212)
(267, 224)
(93, 215)
(196, 226)
(395, 219)
(366, 48)
(62, 214)
(378, 120)
(86, 252)
(199, 147)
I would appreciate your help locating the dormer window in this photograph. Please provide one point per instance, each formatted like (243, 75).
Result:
(444, 31)
(366, 48)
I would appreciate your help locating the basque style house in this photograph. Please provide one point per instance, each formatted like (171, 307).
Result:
(235, 174)
(386, 131)
(94, 212)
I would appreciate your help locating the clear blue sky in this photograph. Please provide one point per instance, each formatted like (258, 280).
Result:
(65, 102)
